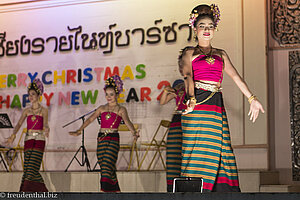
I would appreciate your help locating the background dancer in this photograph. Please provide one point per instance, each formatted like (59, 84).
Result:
(174, 138)
(108, 137)
(37, 129)
(206, 148)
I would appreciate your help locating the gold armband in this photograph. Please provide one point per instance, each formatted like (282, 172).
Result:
(251, 98)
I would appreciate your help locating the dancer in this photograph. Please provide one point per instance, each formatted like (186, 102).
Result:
(37, 129)
(174, 138)
(206, 148)
(108, 137)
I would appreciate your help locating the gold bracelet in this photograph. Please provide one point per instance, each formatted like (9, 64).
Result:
(251, 98)
(165, 90)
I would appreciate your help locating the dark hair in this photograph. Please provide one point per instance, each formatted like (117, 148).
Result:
(177, 82)
(32, 88)
(37, 86)
(112, 87)
(204, 11)
(114, 82)
(181, 61)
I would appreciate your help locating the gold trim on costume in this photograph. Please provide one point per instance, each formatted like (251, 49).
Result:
(34, 134)
(104, 130)
(207, 86)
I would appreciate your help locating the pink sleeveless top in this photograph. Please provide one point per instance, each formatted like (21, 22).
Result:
(208, 72)
(35, 122)
(114, 118)
(179, 100)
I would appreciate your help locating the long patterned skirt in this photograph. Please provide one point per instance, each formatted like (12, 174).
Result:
(107, 154)
(32, 180)
(206, 147)
(174, 144)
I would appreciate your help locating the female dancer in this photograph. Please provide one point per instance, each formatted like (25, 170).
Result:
(37, 129)
(108, 137)
(174, 138)
(207, 150)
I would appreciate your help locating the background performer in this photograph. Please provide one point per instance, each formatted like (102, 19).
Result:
(37, 129)
(108, 137)
(174, 138)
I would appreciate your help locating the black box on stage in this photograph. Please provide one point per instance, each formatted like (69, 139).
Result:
(187, 184)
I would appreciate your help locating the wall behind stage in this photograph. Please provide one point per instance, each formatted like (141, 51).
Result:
(140, 41)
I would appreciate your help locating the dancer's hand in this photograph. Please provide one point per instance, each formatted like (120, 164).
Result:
(75, 133)
(255, 107)
(190, 107)
(10, 140)
(168, 90)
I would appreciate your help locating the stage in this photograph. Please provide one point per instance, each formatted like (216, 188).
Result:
(161, 196)
(139, 181)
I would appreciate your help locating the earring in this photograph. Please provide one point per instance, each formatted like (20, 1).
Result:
(195, 36)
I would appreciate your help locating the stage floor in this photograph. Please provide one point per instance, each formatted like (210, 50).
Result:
(152, 196)
(138, 181)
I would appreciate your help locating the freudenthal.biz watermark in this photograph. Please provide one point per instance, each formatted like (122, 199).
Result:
(25, 195)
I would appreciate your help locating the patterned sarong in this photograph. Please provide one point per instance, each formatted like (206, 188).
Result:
(206, 146)
(32, 180)
(174, 144)
(107, 154)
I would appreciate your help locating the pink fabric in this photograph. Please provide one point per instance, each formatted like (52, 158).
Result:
(208, 72)
(181, 105)
(37, 124)
(106, 123)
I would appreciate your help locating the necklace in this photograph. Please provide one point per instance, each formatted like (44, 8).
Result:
(33, 118)
(209, 59)
(108, 115)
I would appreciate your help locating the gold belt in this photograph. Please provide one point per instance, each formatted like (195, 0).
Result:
(209, 87)
(206, 86)
(108, 130)
(105, 133)
(34, 134)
